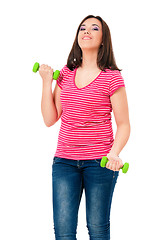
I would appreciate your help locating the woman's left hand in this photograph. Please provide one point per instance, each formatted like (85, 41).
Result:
(114, 163)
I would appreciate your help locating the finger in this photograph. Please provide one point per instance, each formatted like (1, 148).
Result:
(120, 163)
(107, 164)
(117, 166)
(111, 166)
(42, 68)
(45, 66)
(110, 163)
(114, 166)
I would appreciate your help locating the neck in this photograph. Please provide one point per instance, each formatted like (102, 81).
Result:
(89, 60)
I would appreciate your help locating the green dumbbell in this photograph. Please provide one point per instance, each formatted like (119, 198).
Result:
(105, 160)
(55, 74)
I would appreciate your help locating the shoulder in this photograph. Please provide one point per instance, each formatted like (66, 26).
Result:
(66, 70)
(112, 72)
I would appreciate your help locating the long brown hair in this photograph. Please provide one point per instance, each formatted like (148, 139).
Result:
(105, 57)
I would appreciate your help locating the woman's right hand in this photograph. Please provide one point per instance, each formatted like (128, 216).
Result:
(46, 73)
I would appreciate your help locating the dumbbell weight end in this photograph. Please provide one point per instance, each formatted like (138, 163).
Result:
(36, 67)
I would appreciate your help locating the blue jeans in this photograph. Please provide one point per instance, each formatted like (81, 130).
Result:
(69, 178)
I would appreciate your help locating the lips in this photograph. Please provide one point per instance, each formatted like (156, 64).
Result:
(86, 38)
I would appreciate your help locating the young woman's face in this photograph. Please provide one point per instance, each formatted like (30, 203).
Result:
(90, 34)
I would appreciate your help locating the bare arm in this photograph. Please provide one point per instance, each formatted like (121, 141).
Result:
(121, 114)
(51, 107)
(48, 107)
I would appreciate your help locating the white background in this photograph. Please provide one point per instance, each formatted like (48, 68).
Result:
(44, 31)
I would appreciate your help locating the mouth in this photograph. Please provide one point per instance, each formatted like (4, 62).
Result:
(86, 38)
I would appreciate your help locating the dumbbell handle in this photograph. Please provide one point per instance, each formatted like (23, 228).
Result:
(55, 74)
(104, 161)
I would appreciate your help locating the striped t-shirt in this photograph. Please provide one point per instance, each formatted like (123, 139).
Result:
(86, 128)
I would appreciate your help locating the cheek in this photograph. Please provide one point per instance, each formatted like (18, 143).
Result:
(79, 38)
(100, 38)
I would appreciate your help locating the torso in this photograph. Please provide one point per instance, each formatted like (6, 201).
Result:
(84, 77)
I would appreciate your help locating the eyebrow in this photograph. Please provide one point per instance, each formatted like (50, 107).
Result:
(92, 25)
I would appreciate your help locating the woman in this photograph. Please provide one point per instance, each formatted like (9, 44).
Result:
(89, 87)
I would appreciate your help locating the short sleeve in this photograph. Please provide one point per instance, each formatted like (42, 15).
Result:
(116, 82)
(60, 78)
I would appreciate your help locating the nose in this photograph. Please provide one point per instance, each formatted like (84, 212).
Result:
(86, 32)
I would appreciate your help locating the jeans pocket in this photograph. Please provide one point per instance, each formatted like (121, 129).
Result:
(54, 160)
(97, 160)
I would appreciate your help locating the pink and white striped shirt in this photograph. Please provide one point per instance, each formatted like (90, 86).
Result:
(86, 128)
